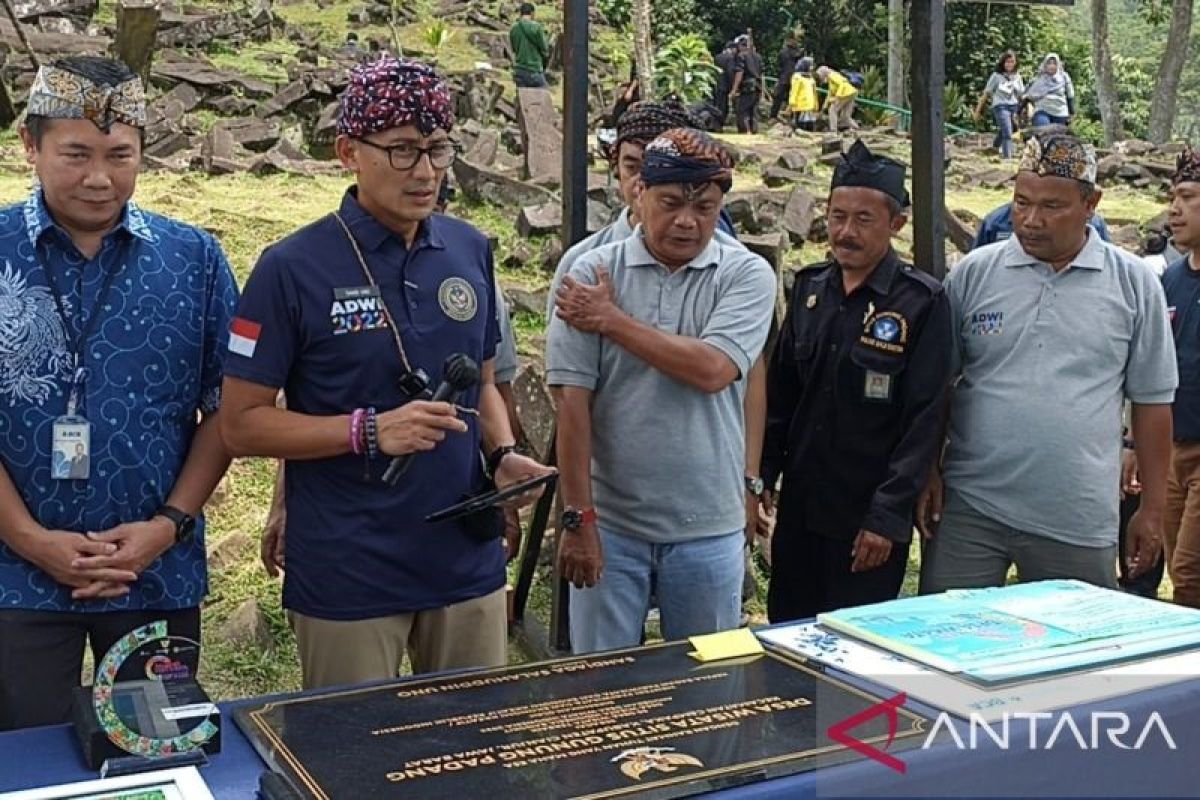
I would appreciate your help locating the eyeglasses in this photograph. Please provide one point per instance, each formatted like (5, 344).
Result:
(405, 155)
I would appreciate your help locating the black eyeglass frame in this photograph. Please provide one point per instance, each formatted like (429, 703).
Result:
(393, 153)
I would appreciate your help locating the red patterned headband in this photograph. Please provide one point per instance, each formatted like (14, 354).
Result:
(390, 93)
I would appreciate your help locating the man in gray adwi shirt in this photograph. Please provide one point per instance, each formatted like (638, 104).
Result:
(651, 344)
(1054, 329)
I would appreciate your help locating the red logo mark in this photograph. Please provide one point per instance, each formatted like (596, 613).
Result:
(839, 732)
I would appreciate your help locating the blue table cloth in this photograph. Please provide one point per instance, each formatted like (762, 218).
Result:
(50, 755)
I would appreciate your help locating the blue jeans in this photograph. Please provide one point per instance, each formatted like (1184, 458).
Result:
(698, 585)
(1042, 118)
(1004, 116)
(529, 79)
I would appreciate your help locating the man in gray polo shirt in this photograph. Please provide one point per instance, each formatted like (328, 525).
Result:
(1055, 329)
(651, 343)
(636, 128)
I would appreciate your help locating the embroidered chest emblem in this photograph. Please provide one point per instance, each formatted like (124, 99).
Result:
(885, 330)
(457, 299)
(987, 323)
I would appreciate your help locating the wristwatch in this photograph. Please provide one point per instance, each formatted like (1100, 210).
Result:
(496, 456)
(185, 524)
(573, 518)
(754, 485)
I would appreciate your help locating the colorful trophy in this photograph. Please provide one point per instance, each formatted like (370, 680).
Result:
(145, 709)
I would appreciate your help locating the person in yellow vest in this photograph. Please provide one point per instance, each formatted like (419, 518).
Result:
(802, 100)
(840, 100)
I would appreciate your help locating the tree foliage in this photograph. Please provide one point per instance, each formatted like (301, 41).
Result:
(852, 34)
(671, 18)
(684, 67)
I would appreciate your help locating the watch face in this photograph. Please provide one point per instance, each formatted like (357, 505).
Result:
(572, 519)
(187, 529)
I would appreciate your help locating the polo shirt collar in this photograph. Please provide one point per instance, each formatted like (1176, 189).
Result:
(1092, 256)
(621, 228)
(38, 220)
(638, 255)
(881, 278)
(371, 233)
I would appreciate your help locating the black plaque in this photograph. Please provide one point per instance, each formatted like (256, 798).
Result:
(650, 721)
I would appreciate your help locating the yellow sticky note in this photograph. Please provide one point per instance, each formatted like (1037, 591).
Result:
(727, 644)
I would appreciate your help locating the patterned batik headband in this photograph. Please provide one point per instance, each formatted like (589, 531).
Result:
(687, 156)
(392, 93)
(61, 94)
(1060, 156)
(1187, 167)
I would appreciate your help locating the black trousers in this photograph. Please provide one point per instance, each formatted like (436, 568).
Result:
(810, 574)
(41, 656)
(721, 101)
(1147, 583)
(781, 95)
(746, 109)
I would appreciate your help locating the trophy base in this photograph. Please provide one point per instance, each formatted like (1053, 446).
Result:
(135, 765)
(154, 708)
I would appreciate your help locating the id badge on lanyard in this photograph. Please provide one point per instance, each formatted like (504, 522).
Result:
(71, 434)
(71, 440)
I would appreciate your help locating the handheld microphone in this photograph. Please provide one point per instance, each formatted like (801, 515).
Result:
(459, 373)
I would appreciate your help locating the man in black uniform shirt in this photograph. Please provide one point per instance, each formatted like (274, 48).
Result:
(747, 86)
(855, 396)
(726, 61)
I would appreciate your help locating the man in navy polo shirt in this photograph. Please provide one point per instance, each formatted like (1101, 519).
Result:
(112, 333)
(1182, 284)
(342, 315)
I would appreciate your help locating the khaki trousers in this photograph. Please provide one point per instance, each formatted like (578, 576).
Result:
(1181, 527)
(473, 633)
(841, 114)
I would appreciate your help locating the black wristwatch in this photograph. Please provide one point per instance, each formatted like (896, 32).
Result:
(754, 485)
(185, 524)
(496, 456)
(574, 518)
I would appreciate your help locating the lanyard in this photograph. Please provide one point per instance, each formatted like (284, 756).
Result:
(387, 314)
(76, 340)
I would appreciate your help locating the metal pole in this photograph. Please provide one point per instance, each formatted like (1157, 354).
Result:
(928, 22)
(575, 121)
(895, 73)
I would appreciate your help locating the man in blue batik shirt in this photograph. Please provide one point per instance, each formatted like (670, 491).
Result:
(112, 329)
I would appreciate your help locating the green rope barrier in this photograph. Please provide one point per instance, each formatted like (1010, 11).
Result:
(903, 113)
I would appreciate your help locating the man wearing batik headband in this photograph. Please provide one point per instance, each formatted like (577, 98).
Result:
(353, 317)
(855, 398)
(639, 126)
(1054, 330)
(1182, 284)
(651, 343)
(112, 332)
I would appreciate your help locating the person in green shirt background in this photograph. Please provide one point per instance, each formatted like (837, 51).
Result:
(529, 50)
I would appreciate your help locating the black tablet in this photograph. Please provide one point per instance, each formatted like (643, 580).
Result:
(492, 498)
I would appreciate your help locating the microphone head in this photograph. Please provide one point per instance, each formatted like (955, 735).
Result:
(460, 371)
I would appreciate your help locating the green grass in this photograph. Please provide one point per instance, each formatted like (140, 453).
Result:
(330, 23)
(262, 60)
(238, 671)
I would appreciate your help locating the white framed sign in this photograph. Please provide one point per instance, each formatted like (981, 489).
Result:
(167, 784)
